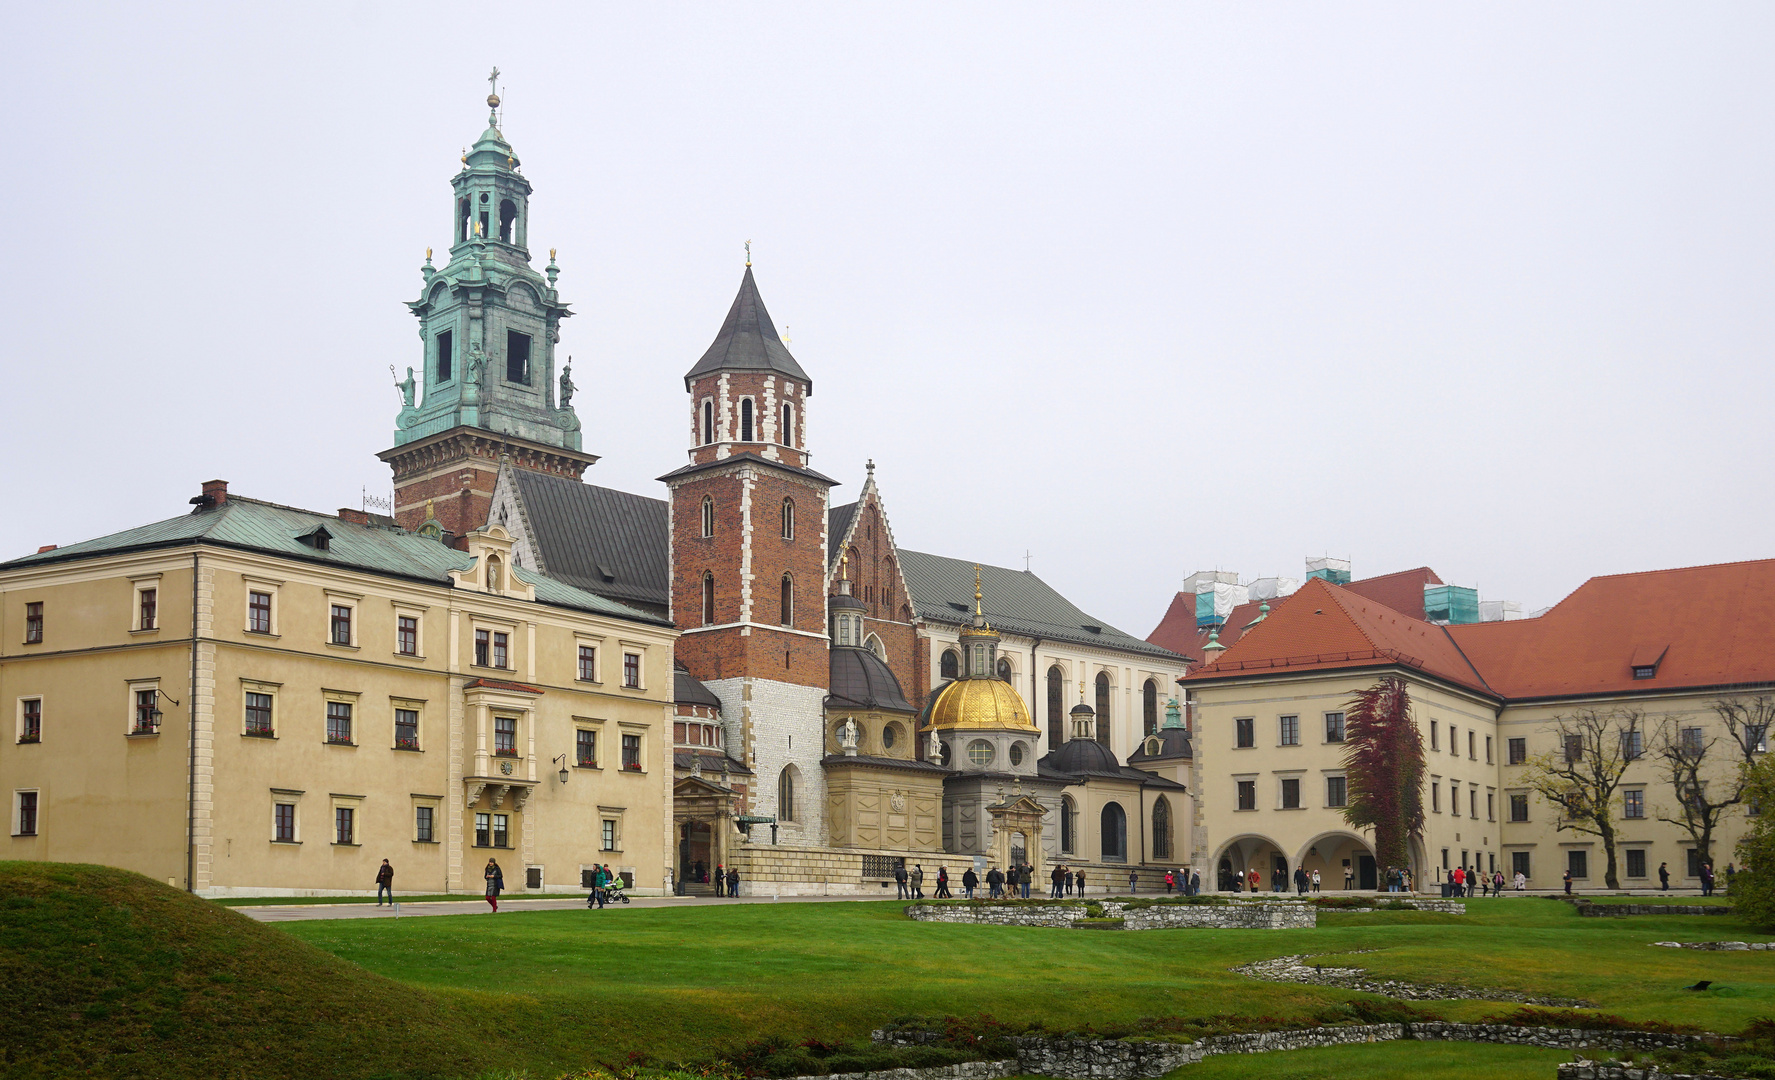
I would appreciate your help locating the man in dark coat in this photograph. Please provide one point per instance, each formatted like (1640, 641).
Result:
(385, 883)
(1664, 876)
(994, 880)
(1058, 878)
(969, 882)
(904, 893)
(495, 885)
(733, 882)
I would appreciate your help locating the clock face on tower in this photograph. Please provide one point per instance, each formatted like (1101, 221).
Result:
(505, 767)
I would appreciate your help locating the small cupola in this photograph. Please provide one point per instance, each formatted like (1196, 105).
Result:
(846, 611)
(1083, 718)
(979, 641)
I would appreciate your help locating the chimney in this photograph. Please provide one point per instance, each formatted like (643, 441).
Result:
(215, 493)
(356, 517)
(47, 547)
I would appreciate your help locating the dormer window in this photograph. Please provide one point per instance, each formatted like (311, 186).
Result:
(1645, 660)
(1645, 671)
(320, 539)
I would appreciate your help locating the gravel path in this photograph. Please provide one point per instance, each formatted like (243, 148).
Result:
(1297, 969)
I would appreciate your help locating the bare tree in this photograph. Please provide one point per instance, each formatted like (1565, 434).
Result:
(1580, 776)
(1706, 783)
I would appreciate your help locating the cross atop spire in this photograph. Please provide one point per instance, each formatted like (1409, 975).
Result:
(493, 89)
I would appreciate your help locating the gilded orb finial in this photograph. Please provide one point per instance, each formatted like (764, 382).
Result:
(493, 89)
(977, 589)
(842, 560)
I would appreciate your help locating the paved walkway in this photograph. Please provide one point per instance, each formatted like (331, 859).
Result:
(300, 912)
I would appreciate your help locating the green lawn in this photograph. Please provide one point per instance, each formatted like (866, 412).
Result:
(1415, 1059)
(672, 983)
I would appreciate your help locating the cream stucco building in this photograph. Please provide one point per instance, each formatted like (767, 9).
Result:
(253, 699)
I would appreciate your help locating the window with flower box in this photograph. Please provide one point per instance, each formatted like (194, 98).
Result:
(339, 723)
(406, 729)
(30, 720)
(505, 736)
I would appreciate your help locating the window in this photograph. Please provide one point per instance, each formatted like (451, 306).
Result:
(517, 357)
(501, 658)
(631, 670)
(588, 663)
(1472, 749)
(1488, 757)
(708, 422)
(1473, 803)
(505, 736)
(1435, 743)
(1435, 796)
(1633, 804)
(745, 419)
(609, 836)
(1632, 745)
(492, 648)
(1103, 707)
(978, 667)
(1114, 833)
(31, 720)
(1245, 732)
(1574, 748)
(27, 814)
(1518, 749)
(483, 829)
(949, 665)
(1454, 741)
(1290, 730)
(1756, 738)
(446, 356)
(483, 647)
(1149, 707)
(1645, 671)
(258, 714)
(1519, 863)
(786, 794)
(339, 722)
(1491, 806)
(147, 605)
(1694, 866)
(708, 599)
(1454, 798)
(1577, 860)
(1056, 708)
(787, 435)
(501, 830)
(1336, 791)
(508, 217)
(1069, 823)
(341, 625)
(344, 824)
(1636, 862)
(1291, 793)
(631, 753)
(788, 519)
(146, 722)
(283, 823)
(1519, 806)
(708, 516)
(258, 612)
(406, 635)
(585, 748)
(1248, 794)
(424, 822)
(1334, 728)
(406, 729)
(1692, 742)
(34, 623)
(786, 601)
(1005, 673)
(980, 752)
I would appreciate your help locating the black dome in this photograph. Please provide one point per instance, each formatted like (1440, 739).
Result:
(860, 679)
(1086, 756)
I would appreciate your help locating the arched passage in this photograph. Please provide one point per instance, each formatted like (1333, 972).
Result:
(1238, 857)
(1331, 853)
(1114, 842)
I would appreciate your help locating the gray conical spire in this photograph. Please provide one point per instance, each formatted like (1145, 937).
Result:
(748, 341)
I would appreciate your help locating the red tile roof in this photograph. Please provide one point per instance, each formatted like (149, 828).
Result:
(1702, 626)
(496, 684)
(1403, 591)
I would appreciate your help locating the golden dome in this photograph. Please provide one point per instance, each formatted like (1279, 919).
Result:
(978, 705)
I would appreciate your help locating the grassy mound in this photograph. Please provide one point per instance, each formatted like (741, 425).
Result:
(108, 973)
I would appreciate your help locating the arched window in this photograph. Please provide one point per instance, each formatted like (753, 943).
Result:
(1162, 828)
(1004, 670)
(788, 601)
(1056, 708)
(1149, 707)
(1103, 708)
(786, 794)
(708, 422)
(508, 219)
(950, 665)
(788, 519)
(1069, 824)
(708, 599)
(977, 667)
(446, 356)
(787, 435)
(875, 646)
(1115, 833)
(493, 575)
(461, 220)
(708, 516)
(745, 419)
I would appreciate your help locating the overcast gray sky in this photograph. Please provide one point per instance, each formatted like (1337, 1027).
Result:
(1139, 290)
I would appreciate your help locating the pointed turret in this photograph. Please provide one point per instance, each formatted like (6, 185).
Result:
(748, 341)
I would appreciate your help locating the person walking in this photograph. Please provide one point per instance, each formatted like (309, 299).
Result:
(1058, 877)
(943, 883)
(495, 885)
(385, 883)
(969, 882)
(1028, 876)
(917, 882)
(1170, 882)
(1497, 883)
(1349, 878)
(1079, 878)
(1459, 878)
(733, 882)
(1133, 882)
(720, 880)
(903, 892)
(1568, 881)
(1664, 876)
(1195, 883)
(1315, 881)
(1706, 879)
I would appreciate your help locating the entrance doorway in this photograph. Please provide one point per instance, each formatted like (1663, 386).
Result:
(1365, 875)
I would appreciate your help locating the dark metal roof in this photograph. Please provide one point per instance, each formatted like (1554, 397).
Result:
(748, 341)
(711, 762)
(602, 540)
(838, 522)
(1015, 601)
(859, 679)
(1081, 759)
(251, 525)
(687, 689)
(1173, 743)
(745, 456)
(907, 764)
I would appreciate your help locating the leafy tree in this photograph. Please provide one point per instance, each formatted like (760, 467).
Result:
(1581, 775)
(1384, 770)
(1707, 784)
(1753, 890)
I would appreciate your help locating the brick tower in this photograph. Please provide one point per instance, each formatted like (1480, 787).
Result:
(488, 324)
(749, 560)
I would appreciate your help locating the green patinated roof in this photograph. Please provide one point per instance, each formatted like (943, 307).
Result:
(378, 549)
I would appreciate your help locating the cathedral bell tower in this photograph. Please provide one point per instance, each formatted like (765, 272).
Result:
(485, 385)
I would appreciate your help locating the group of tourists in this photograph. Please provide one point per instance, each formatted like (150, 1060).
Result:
(726, 880)
(1467, 881)
(1184, 882)
(604, 881)
(911, 882)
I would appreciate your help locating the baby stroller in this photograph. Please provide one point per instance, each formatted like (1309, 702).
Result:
(614, 893)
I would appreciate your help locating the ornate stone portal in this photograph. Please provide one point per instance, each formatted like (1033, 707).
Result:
(1016, 830)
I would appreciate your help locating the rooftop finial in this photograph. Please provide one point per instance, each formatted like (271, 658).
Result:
(493, 91)
(870, 465)
(977, 589)
(748, 254)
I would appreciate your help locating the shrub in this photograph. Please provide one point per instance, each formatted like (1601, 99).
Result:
(1535, 1016)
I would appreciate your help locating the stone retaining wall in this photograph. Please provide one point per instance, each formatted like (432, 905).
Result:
(967, 1070)
(1595, 910)
(1717, 946)
(1614, 1070)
